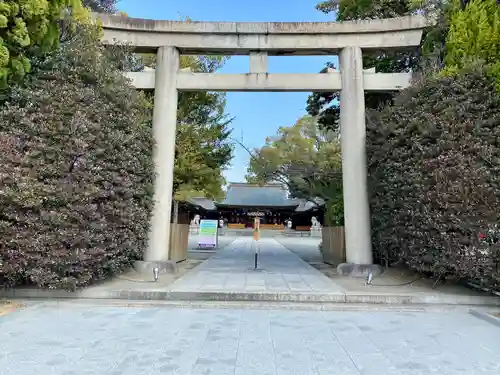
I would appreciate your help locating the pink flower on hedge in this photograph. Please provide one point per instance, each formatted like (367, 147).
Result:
(482, 236)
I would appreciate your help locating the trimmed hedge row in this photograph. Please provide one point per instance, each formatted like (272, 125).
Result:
(76, 171)
(434, 172)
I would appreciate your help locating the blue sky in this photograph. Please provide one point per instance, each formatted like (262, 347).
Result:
(257, 115)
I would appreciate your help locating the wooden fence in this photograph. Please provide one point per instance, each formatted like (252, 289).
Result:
(179, 236)
(333, 247)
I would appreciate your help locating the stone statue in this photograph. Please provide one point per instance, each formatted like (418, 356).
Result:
(315, 223)
(289, 224)
(196, 220)
(315, 228)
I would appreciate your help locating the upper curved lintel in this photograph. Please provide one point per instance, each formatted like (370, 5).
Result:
(124, 23)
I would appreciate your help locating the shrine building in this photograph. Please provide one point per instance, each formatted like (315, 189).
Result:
(270, 202)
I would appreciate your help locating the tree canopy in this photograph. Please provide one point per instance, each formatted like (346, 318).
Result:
(306, 159)
(101, 6)
(203, 147)
(324, 105)
(477, 18)
(365, 9)
(474, 34)
(25, 24)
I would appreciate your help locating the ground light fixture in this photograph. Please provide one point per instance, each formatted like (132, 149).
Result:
(369, 278)
(155, 273)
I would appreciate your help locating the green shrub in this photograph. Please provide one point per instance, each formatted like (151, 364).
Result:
(76, 171)
(434, 172)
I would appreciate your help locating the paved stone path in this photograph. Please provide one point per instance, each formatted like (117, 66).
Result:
(232, 270)
(77, 339)
(306, 248)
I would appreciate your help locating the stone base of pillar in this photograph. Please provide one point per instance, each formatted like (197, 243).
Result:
(359, 270)
(146, 268)
(316, 232)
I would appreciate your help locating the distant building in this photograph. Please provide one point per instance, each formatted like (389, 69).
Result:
(270, 202)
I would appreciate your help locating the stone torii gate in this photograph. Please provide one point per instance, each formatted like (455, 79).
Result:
(169, 39)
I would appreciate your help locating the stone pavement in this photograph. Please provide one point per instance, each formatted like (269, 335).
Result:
(75, 339)
(306, 248)
(232, 270)
(228, 275)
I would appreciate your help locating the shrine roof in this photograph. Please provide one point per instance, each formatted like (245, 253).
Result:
(253, 195)
(305, 205)
(205, 203)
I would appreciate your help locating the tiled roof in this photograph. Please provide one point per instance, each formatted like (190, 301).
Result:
(271, 195)
(204, 203)
(305, 205)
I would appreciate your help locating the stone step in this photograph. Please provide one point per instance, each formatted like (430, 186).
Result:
(367, 297)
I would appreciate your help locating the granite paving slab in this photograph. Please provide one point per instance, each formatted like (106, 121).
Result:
(76, 339)
(282, 276)
(232, 270)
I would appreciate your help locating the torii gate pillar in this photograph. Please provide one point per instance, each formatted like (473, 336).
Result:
(354, 168)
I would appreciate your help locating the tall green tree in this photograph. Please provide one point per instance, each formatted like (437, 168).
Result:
(474, 35)
(101, 6)
(25, 24)
(347, 10)
(203, 146)
(204, 149)
(465, 31)
(325, 105)
(305, 158)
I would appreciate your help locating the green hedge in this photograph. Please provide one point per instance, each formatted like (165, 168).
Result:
(75, 171)
(434, 174)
